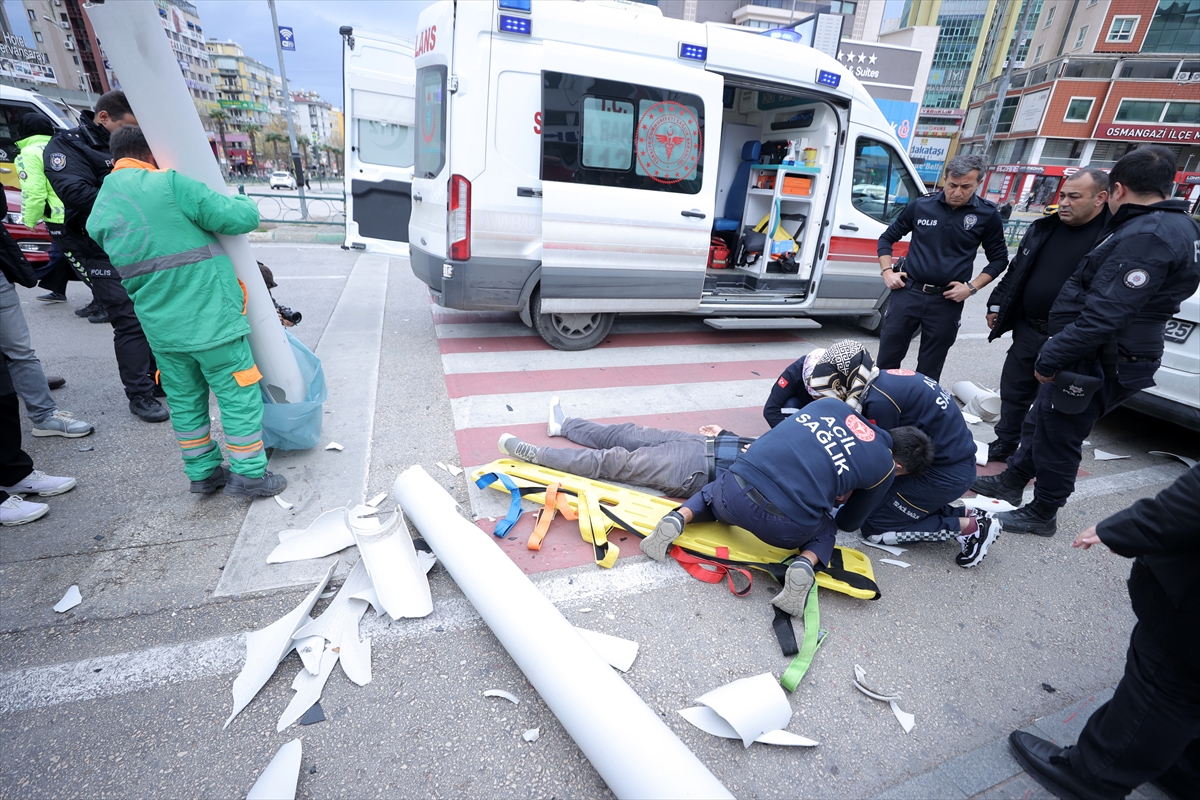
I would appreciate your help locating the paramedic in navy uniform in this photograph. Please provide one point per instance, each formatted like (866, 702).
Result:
(947, 228)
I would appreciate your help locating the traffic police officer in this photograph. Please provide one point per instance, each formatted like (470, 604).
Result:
(1050, 251)
(76, 162)
(1106, 334)
(947, 229)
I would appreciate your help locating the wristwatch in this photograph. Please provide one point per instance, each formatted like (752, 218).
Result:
(972, 287)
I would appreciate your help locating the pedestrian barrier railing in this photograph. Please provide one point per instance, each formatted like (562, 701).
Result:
(314, 210)
(1014, 230)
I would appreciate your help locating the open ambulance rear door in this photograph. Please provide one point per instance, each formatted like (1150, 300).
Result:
(379, 141)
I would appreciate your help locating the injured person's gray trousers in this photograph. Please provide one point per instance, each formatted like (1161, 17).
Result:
(673, 462)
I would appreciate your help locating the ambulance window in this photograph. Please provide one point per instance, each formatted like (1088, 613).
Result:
(385, 143)
(431, 120)
(882, 186)
(614, 133)
(607, 133)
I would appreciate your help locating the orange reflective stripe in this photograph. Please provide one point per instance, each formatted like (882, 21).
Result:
(554, 502)
(244, 448)
(248, 377)
(245, 296)
(188, 443)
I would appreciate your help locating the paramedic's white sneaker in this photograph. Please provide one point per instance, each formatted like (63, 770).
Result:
(557, 418)
(17, 511)
(669, 528)
(512, 446)
(796, 583)
(41, 484)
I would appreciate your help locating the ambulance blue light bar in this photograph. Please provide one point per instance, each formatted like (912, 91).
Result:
(516, 5)
(521, 25)
(693, 52)
(824, 78)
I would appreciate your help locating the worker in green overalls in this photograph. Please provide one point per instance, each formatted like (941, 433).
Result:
(158, 227)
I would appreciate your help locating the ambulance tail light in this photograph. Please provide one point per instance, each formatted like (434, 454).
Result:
(458, 223)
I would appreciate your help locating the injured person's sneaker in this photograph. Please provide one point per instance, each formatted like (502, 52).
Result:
(268, 485)
(1034, 518)
(798, 580)
(557, 418)
(977, 536)
(215, 480)
(512, 446)
(1006, 486)
(665, 533)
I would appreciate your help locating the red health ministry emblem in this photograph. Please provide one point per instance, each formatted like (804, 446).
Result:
(783, 383)
(668, 142)
(904, 372)
(861, 430)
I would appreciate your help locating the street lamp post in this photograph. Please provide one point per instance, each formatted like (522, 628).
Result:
(297, 170)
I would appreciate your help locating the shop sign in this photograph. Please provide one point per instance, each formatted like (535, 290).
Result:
(1192, 179)
(1148, 133)
(937, 130)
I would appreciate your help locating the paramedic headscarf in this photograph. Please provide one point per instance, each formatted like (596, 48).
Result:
(843, 371)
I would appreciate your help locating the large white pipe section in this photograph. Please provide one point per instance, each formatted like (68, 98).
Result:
(137, 46)
(634, 751)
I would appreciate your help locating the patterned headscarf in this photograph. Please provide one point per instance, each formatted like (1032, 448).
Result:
(810, 361)
(844, 371)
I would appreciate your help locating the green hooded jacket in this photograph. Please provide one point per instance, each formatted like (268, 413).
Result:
(158, 227)
(38, 200)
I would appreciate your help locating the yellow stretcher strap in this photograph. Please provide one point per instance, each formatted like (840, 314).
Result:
(602, 507)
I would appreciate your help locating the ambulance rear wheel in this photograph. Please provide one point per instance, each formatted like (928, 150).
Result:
(569, 331)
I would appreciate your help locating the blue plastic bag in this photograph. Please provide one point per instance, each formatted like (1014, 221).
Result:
(297, 426)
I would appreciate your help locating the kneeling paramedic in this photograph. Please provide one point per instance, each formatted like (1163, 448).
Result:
(157, 227)
(917, 507)
(784, 488)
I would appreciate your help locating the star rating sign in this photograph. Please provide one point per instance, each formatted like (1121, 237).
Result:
(849, 56)
(841, 56)
(873, 57)
(862, 57)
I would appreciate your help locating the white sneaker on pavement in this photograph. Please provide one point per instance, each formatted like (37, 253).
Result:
(41, 484)
(17, 511)
(62, 423)
(557, 418)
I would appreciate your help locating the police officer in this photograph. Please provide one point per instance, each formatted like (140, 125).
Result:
(1106, 334)
(947, 228)
(1050, 251)
(1150, 729)
(76, 162)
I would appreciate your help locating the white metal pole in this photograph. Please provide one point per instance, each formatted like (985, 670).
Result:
(142, 57)
(597, 708)
(298, 169)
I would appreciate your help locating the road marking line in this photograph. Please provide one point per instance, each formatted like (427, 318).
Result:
(609, 358)
(123, 673)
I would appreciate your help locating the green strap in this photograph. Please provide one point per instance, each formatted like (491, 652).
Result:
(812, 640)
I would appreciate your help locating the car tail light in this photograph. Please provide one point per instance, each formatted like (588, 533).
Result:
(458, 222)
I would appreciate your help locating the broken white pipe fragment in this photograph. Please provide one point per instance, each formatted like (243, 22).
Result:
(327, 534)
(617, 652)
(397, 577)
(142, 56)
(714, 724)
(339, 624)
(278, 781)
(978, 401)
(69, 600)
(596, 708)
(509, 696)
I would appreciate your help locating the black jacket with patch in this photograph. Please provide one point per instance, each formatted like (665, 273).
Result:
(1126, 288)
(945, 239)
(77, 162)
(1161, 535)
(1005, 299)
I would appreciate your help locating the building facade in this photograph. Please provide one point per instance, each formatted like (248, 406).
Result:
(181, 23)
(312, 118)
(1103, 78)
(245, 87)
(62, 31)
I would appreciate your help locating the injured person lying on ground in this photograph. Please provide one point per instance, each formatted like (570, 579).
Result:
(785, 488)
(676, 463)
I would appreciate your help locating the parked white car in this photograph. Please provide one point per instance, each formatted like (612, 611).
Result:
(1175, 396)
(283, 180)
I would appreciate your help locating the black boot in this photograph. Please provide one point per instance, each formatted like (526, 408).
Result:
(1035, 518)
(1007, 486)
(148, 409)
(268, 485)
(216, 479)
(91, 308)
(1000, 451)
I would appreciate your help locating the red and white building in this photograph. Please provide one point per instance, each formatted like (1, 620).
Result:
(1103, 78)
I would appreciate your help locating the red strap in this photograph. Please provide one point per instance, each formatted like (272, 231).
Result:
(711, 571)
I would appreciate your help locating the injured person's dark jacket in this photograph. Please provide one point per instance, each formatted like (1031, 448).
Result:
(1163, 537)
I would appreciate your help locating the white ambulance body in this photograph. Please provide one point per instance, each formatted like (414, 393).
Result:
(575, 160)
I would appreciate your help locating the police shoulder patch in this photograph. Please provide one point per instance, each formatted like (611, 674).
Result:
(23, 175)
(58, 161)
(1136, 278)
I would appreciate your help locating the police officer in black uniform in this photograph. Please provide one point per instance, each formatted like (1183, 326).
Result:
(1051, 250)
(947, 228)
(77, 162)
(1106, 334)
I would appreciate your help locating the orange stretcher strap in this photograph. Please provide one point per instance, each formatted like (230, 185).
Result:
(554, 502)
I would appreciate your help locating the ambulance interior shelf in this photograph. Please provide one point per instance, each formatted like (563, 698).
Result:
(782, 195)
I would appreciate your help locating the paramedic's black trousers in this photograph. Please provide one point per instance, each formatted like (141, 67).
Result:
(1151, 726)
(909, 310)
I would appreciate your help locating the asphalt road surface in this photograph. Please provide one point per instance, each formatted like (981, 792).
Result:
(126, 694)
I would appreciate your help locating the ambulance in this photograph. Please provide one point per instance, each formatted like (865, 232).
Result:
(578, 160)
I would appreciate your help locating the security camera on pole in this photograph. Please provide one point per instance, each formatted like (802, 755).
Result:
(280, 34)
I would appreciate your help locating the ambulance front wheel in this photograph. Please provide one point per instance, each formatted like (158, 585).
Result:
(569, 331)
(874, 322)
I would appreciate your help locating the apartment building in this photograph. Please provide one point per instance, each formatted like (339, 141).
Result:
(245, 87)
